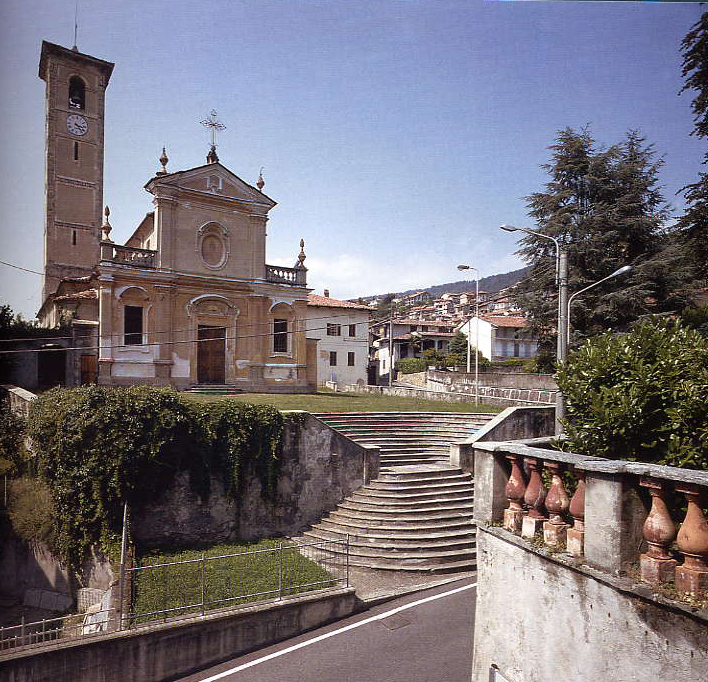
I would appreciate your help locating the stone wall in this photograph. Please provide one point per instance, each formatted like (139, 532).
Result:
(539, 620)
(521, 387)
(18, 398)
(319, 468)
(569, 588)
(443, 396)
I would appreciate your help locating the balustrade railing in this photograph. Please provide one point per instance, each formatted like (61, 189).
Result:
(283, 275)
(610, 514)
(128, 255)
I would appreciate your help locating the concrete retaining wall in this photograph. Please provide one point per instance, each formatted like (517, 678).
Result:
(515, 388)
(319, 468)
(163, 652)
(539, 620)
(18, 398)
(445, 397)
(514, 423)
(524, 380)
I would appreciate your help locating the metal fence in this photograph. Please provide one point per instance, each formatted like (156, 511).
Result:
(52, 629)
(163, 590)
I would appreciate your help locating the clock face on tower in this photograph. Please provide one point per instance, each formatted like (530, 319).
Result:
(76, 125)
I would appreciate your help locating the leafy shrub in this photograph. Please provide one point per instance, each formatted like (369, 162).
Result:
(100, 447)
(30, 510)
(411, 365)
(640, 396)
(11, 448)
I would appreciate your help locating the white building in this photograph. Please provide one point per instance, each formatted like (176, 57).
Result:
(410, 338)
(342, 330)
(501, 337)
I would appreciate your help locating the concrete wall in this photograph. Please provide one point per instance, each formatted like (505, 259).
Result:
(319, 467)
(433, 395)
(540, 620)
(525, 380)
(514, 423)
(163, 652)
(19, 399)
(31, 566)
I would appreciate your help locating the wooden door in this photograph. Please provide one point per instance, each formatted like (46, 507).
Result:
(211, 355)
(89, 369)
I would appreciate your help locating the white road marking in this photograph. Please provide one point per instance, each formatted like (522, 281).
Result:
(314, 640)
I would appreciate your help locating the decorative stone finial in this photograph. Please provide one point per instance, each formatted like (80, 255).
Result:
(211, 156)
(301, 256)
(106, 227)
(260, 182)
(163, 162)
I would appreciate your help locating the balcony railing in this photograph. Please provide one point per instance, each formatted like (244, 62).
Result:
(128, 255)
(281, 275)
(598, 510)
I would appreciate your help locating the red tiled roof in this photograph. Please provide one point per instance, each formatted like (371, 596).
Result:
(86, 294)
(505, 320)
(325, 302)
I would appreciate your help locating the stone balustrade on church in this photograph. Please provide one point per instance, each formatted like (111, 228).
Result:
(618, 517)
(128, 255)
(282, 275)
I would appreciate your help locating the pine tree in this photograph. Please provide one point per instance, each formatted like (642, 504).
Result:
(605, 207)
(694, 222)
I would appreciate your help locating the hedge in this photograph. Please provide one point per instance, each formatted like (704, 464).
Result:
(640, 396)
(100, 447)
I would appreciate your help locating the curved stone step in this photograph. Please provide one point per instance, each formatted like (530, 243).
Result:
(384, 537)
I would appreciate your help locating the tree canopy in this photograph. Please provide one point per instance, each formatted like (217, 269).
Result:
(694, 222)
(605, 207)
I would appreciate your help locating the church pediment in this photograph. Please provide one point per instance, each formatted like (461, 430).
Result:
(211, 179)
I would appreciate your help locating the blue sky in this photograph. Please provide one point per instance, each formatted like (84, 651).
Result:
(396, 135)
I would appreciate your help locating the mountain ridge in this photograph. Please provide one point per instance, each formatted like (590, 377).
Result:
(490, 284)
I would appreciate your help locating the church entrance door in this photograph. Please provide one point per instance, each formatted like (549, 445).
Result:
(211, 355)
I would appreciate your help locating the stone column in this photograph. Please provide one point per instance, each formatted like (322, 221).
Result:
(490, 482)
(611, 536)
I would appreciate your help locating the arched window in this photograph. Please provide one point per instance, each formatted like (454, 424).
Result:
(77, 93)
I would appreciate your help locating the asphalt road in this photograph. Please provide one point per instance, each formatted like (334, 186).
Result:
(422, 637)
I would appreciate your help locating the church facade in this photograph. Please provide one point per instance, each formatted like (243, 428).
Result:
(189, 298)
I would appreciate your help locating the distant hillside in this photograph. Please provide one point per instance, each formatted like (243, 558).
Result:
(489, 284)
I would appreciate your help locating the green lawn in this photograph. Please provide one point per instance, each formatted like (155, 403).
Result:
(263, 575)
(329, 401)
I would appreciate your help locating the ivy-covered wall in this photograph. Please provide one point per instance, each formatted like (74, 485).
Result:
(190, 472)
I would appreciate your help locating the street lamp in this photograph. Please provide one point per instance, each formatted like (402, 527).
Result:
(562, 283)
(476, 333)
(624, 269)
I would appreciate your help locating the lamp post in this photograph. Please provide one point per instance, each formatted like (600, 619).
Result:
(562, 284)
(624, 269)
(476, 333)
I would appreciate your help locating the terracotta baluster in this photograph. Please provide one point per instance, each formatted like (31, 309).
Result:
(534, 498)
(692, 541)
(659, 531)
(557, 503)
(575, 537)
(515, 489)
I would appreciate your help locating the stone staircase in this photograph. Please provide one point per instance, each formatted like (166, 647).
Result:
(407, 438)
(215, 389)
(417, 515)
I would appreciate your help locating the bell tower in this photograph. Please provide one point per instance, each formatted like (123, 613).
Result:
(75, 92)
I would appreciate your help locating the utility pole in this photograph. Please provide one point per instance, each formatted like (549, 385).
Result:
(562, 344)
(390, 349)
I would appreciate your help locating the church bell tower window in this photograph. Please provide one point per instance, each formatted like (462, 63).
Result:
(77, 93)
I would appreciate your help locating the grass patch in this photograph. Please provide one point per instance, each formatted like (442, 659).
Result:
(179, 587)
(330, 401)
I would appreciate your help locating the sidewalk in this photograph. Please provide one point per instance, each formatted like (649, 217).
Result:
(375, 586)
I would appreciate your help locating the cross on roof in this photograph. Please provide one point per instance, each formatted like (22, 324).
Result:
(212, 123)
